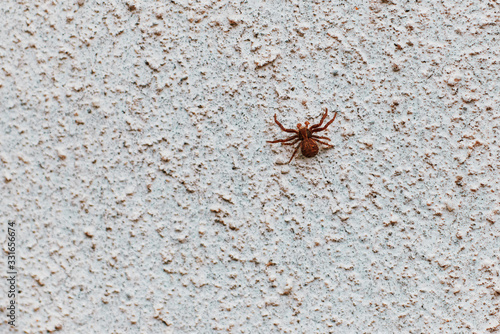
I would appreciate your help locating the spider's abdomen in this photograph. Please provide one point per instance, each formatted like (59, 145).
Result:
(309, 148)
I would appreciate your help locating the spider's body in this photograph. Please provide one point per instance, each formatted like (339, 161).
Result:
(309, 148)
(305, 135)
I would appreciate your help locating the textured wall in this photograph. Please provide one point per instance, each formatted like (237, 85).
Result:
(134, 160)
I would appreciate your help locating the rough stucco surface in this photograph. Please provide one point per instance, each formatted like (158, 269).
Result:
(135, 164)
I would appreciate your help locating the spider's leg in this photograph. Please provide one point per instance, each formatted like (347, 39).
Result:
(293, 143)
(283, 140)
(282, 127)
(322, 142)
(318, 137)
(321, 122)
(327, 124)
(294, 152)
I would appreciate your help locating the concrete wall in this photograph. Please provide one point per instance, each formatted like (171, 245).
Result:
(134, 162)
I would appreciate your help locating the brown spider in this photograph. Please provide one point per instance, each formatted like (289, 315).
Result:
(308, 141)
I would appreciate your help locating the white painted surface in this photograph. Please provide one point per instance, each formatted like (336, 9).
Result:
(133, 159)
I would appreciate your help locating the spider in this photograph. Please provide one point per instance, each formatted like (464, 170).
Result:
(305, 135)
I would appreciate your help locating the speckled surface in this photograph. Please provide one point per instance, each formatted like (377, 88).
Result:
(134, 160)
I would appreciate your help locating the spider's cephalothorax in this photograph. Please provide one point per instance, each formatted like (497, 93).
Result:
(305, 135)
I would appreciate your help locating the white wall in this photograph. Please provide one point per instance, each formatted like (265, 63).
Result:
(135, 164)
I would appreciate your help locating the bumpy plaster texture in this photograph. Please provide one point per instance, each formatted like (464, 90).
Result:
(134, 160)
